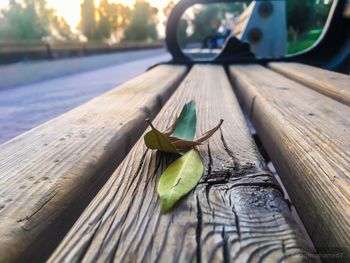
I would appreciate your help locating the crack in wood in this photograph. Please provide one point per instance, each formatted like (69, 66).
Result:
(199, 231)
(29, 217)
(226, 248)
(229, 151)
(238, 227)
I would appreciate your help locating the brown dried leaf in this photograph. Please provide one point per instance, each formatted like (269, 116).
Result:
(182, 144)
(209, 133)
(186, 145)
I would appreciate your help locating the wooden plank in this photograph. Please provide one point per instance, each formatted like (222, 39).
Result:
(237, 213)
(332, 84)
(50, 174)
(307, 137)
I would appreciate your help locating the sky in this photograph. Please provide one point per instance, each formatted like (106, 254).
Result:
(70, 9)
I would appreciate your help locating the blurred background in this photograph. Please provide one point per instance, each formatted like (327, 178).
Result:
(41, 29)
(56, 54)
(293, 25)
(78, 27)
(82, 20)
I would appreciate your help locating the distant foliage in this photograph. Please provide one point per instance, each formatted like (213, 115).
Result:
(32, 20)
(143, 23)
(307, 14)
(113, 20)
(88, 25)
(206, 21)
(305, 21)
(25, 21)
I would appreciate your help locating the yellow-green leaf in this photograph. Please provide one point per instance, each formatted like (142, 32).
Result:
(154, 139)
(179, 179)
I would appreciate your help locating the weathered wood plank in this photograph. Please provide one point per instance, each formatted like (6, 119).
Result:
(307, 136)
(237, 213)
(50, 174)
(332, 84)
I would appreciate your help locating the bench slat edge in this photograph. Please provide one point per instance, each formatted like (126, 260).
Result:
(332, 84)
(49, 174)
(306, 135)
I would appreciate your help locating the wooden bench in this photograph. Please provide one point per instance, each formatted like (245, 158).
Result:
(237, 213)
(233, 213)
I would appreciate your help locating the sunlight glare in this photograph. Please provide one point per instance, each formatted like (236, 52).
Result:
(70, 10)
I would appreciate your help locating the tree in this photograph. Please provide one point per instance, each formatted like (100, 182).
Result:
(307, 14)
(61, 30)
(143, 23)
(88, 19)
(25, 21)
(206, 21)
(305, 21)
(32, 20)
(111, 17)
(100, 23)
(298, 13)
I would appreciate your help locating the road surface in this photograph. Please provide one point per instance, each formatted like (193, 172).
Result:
(34, 71)
(27, 106)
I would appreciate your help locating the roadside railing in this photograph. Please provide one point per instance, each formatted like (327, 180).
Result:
(15, 51)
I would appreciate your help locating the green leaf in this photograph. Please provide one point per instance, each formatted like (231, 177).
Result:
(154, 139)
(186, 124)
(179, 179)
(171, 128)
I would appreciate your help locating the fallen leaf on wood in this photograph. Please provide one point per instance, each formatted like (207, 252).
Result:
(186, 125)
(179, 179)
(155, 139)
(183, 144)
(184, 174)
(165, 142)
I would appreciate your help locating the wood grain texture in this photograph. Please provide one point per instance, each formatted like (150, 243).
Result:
(237, 212)
(50, 174)
(307, 136)
(332, 84)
